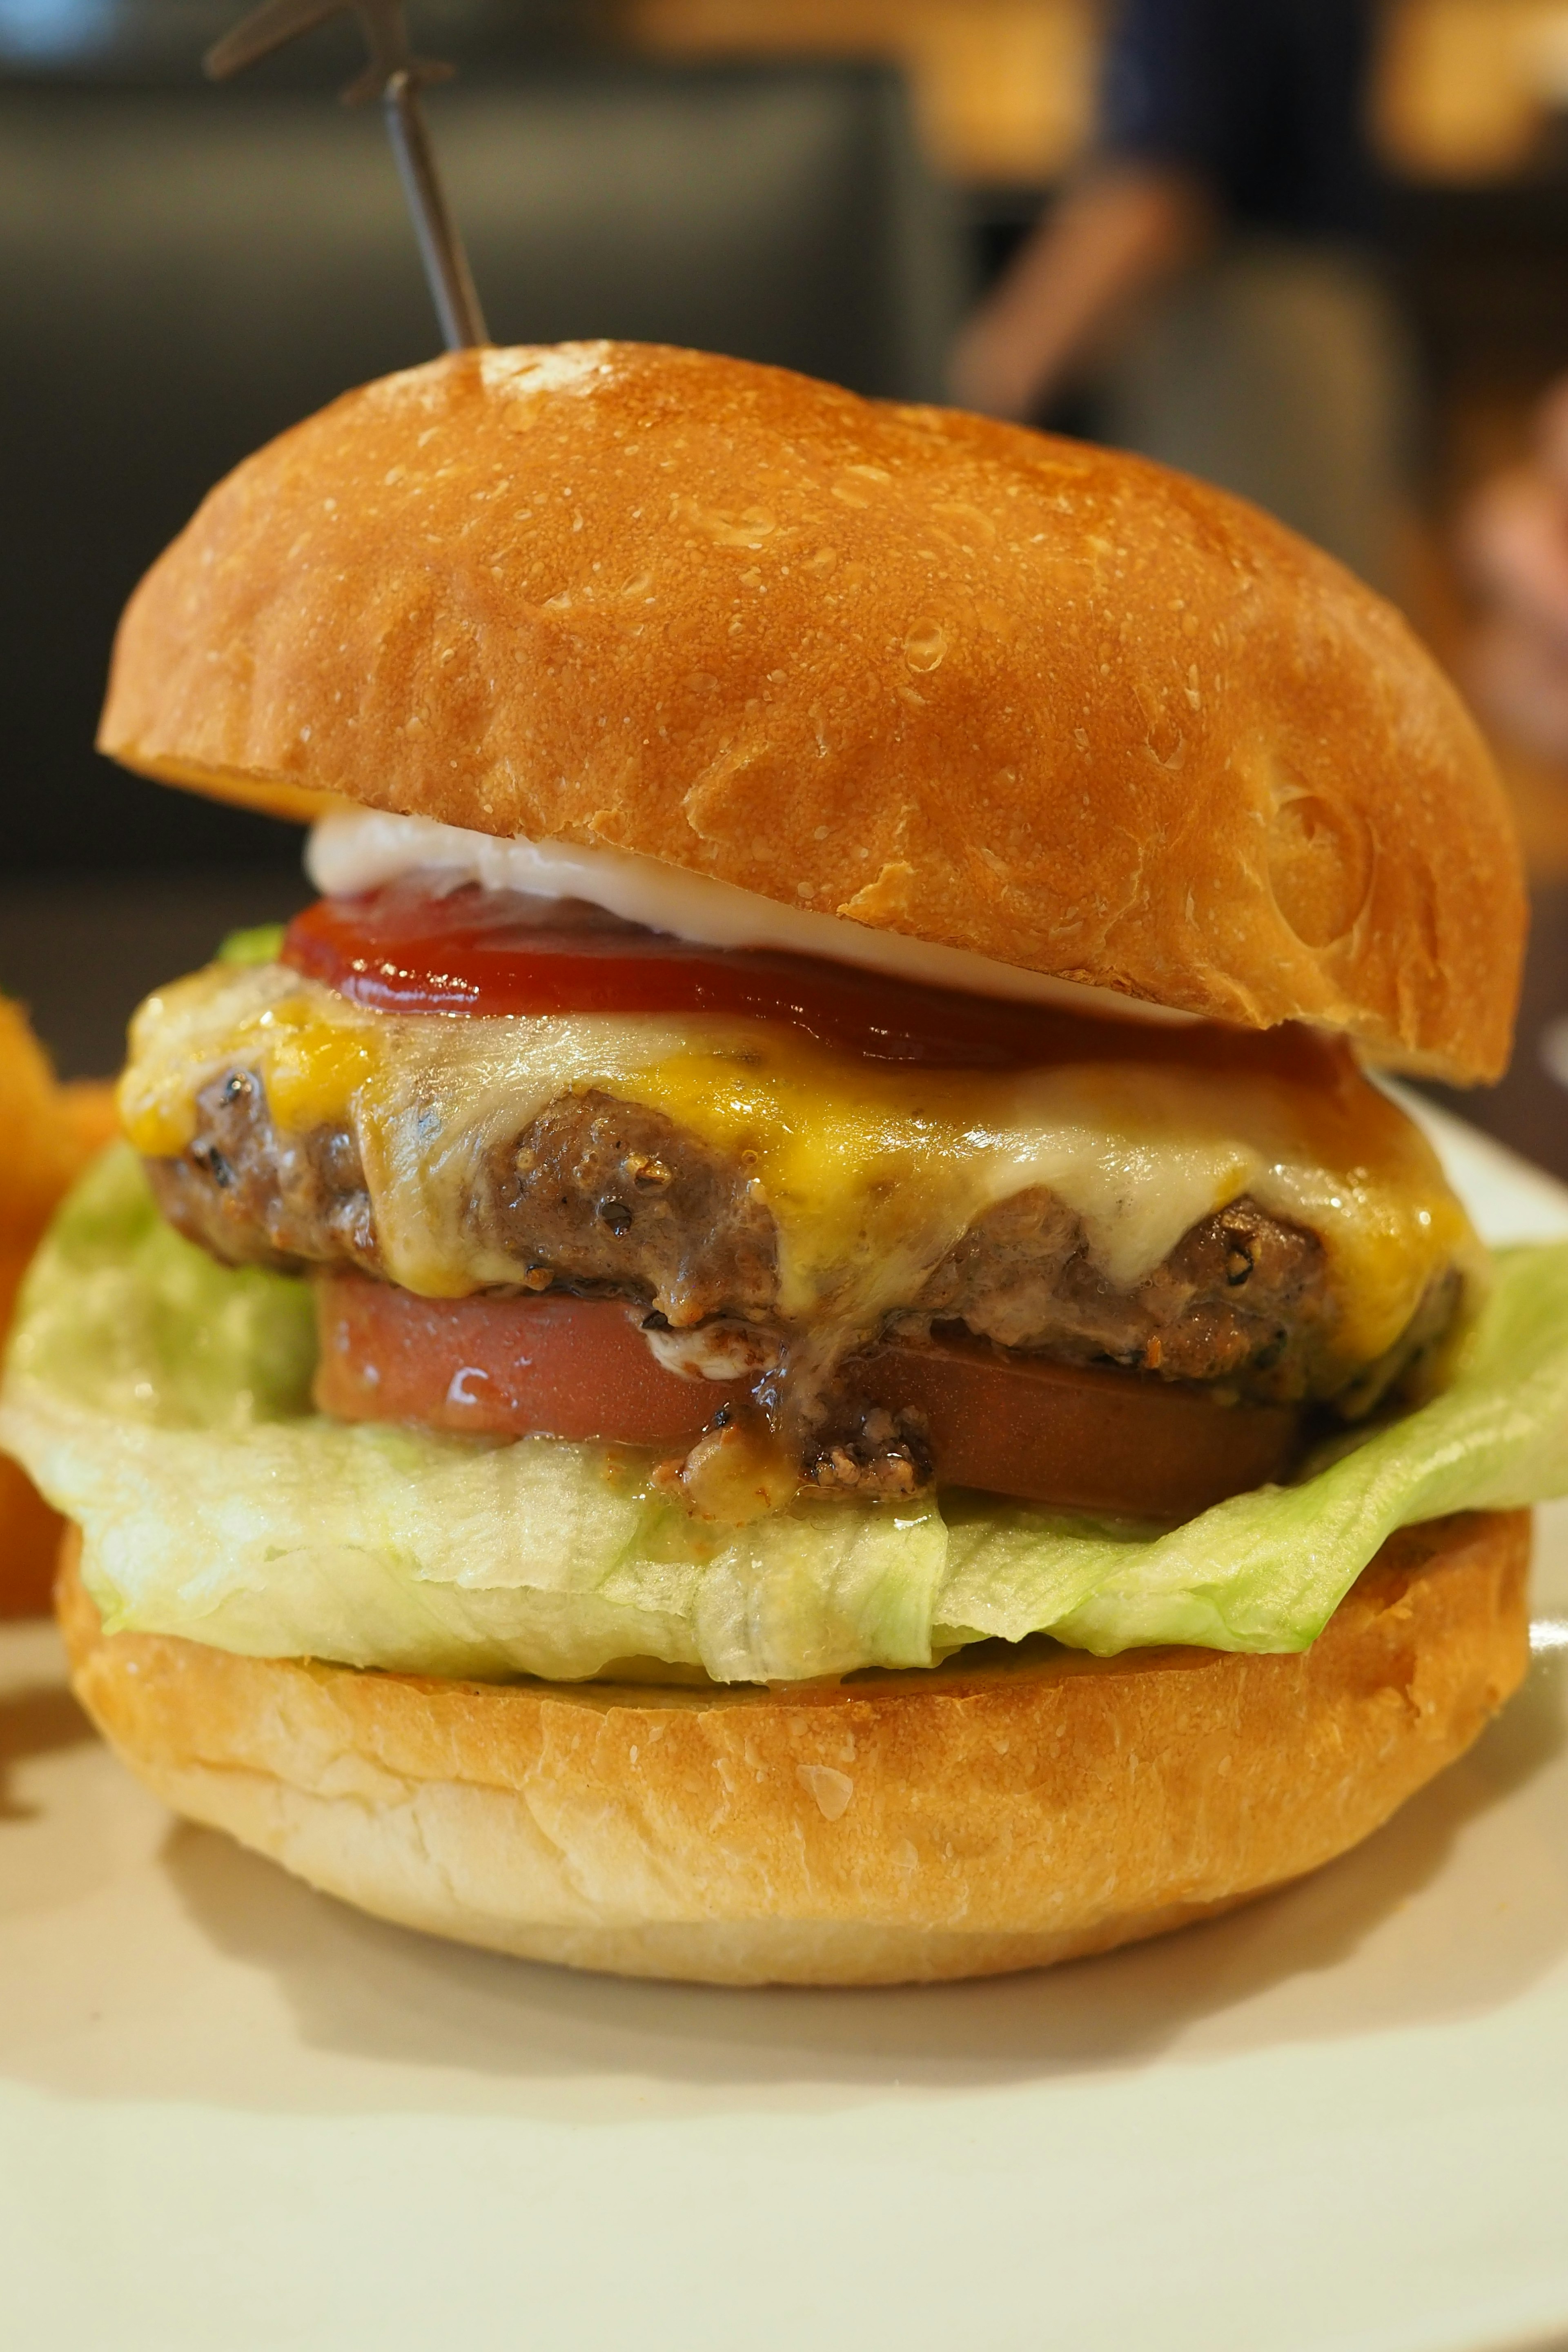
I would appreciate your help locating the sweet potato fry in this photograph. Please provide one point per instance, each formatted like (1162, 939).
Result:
(47, 1134)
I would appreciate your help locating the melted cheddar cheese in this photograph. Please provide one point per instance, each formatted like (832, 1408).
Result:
(871, 1172)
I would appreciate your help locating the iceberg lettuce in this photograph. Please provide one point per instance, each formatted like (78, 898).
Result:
(162, 1401)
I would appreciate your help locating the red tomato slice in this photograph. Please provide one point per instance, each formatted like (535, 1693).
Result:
(410, 949)
(560, 1367)
(1095, 1440)
(579, 1368)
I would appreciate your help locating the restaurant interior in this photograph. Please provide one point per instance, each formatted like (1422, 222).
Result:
(830, 184)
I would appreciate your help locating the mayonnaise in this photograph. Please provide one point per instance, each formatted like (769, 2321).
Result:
(362, 849)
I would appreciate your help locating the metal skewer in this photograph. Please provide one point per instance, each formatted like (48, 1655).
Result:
(396, 77)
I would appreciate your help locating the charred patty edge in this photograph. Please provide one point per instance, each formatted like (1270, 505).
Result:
(602, 1197)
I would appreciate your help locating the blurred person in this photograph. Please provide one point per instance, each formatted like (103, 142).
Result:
(1513, 547)
(1210, 274)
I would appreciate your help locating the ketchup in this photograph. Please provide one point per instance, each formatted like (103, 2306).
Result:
(413, 948)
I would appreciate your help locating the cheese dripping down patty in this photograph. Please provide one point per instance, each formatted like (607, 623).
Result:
(871, 1172)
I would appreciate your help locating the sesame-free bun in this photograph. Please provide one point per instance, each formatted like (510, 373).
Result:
(933, 674)
(999, 1812)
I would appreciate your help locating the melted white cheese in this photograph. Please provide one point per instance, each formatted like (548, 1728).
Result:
(363, 849)
(871, 1172)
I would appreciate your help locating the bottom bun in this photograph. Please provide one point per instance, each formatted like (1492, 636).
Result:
(1009, 1808)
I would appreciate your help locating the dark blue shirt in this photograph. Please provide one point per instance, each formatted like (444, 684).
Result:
(1265, 101)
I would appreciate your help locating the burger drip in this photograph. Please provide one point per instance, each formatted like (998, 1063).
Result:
(577, 1369)
(845, 1413)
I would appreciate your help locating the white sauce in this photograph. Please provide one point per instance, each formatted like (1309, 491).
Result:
(362, 849)
(872, 1174)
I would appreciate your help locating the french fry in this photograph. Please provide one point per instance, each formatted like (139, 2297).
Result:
(47, 1134)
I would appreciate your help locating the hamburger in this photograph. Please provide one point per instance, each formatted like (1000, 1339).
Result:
(786, 1338)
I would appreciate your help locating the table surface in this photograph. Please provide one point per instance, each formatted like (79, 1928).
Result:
(234, 2112)
(81, 951)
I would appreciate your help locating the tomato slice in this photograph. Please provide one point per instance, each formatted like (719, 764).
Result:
(557, 1367)
(579, 1368)
(1074, 1434)
(410, 948)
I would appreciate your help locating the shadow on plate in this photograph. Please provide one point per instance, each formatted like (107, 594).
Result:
(1455, 1906)
(38, 1721)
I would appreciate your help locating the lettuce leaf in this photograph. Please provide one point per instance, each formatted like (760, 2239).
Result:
(162, 1401)
(262, 944)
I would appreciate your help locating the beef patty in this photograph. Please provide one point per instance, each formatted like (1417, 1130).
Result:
(602, 1197)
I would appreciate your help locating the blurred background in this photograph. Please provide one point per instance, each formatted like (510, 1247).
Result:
(1315, 248)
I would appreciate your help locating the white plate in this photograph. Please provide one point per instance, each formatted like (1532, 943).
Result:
(233, 2115)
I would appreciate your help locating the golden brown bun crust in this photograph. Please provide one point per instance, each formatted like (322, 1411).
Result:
(939, 674)
(896, 1827)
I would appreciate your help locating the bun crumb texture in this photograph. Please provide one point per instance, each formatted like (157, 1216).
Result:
(1004, 1811)
(937, 674)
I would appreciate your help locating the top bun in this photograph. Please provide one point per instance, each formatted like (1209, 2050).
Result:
(937, 674)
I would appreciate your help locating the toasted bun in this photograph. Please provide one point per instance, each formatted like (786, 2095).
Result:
(937, 674)
(984, 1817)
